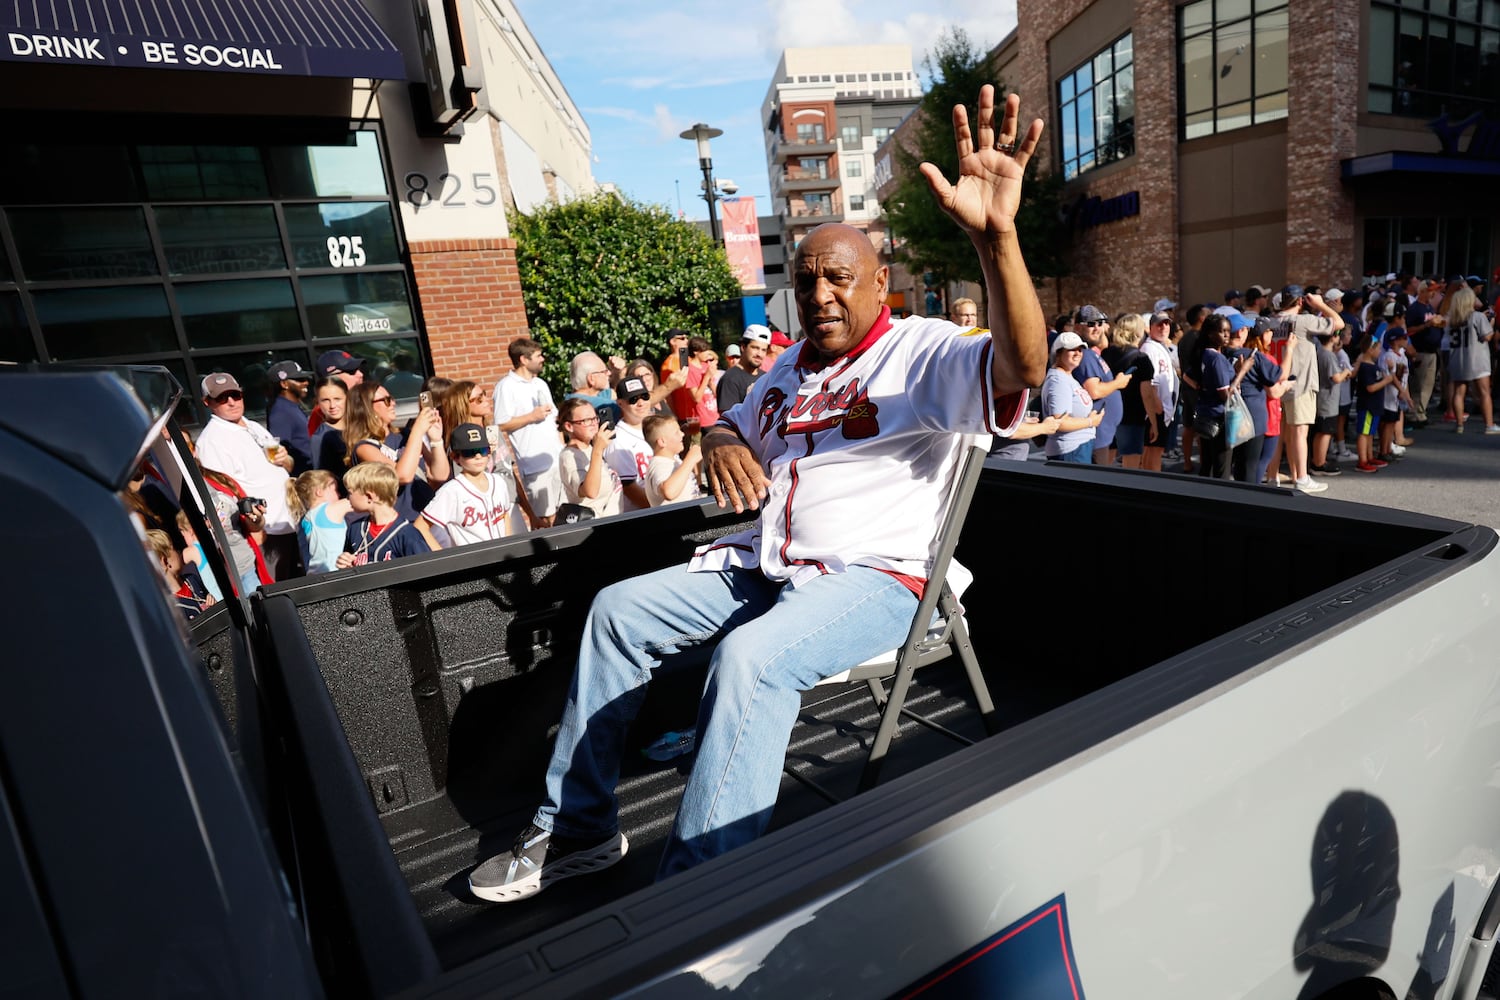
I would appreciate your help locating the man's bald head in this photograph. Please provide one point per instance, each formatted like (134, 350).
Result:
(840, 286)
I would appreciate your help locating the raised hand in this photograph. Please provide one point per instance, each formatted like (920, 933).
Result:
(991, 163)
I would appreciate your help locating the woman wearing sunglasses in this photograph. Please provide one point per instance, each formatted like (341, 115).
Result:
(369, 424)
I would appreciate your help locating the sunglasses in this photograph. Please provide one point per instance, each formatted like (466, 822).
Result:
(1096, 322)
(232, 396)
(471, 452)
(479, 394)
(637, 399)
(383, 399)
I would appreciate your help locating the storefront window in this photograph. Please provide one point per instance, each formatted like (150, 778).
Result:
(1423, 62)
(32, 174)
(15, 336)
(1096, 105)
(343, 234)
(80, 323)
(194, 173)
(251, 369)
(230, 313)
(330, 171)
(351, 305)
(1232, 65)
(214, 239)
(82, 244)
(384, 358)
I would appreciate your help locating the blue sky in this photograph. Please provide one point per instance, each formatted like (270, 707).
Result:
(641, 73)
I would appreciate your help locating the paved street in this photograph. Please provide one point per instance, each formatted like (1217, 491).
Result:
(1444, 473)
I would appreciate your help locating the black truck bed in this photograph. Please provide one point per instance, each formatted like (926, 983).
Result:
(448, 672)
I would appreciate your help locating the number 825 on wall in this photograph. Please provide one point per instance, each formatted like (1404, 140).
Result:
(346, 251)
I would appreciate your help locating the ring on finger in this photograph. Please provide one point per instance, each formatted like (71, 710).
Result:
(1006, 147)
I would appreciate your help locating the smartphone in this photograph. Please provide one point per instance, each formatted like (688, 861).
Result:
(605, 425)
(682, 357)
(1291, 378)
(424, 399)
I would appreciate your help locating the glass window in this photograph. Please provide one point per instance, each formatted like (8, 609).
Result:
(1096, 109)
(81, 323)
(82, 244)
(193, 173)
(1232, 64)
(252, 370)
(880, 133)
(856, 203)
(1434, 62)
(352, 168)
(853, 169)
(384, 357)
(229, 313)
(342, 234)
(213, 239)
(70, 175)
(15, 335)
(349, 305)
(850, 136)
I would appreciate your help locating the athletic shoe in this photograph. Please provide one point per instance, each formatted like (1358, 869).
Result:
(537, 859)
(1326, 469)
(1379, 463)
(1415, 425)
(1309, 485)
(1367, 467)
(1492, 429)
(1459, 429)
(1398, 450)
(1449, 418)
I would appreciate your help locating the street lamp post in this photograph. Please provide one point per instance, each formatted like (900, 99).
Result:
(702, 134)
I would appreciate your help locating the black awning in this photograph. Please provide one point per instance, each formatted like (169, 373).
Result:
(273, 37)
(1375, 164)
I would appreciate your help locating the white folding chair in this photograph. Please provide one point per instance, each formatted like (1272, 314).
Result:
(937, 632)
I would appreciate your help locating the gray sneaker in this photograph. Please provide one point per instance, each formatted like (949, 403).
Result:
(537, 859)
(1310, 485)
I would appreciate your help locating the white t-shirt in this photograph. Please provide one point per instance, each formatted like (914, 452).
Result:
(1346, 387)
(239, 451)
(536, 444)
(659, 471)
(1165, 374)
(573, 464)
(469, 514)
(1389, 362)
(860, 454)
(629, 455)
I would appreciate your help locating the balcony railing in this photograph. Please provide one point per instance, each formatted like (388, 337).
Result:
(805, 147)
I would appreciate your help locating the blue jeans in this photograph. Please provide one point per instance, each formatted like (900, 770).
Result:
(1082, 455)
(772, 643)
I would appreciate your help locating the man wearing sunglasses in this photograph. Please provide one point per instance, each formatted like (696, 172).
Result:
(241, 449)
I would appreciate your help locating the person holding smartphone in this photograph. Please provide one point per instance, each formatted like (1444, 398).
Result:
(587, 477)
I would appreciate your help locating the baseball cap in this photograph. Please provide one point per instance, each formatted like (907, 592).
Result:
(1290, 292)
(758, 333)
(332, 362)
(1393, 334)
(631, 389)
(1475, 281)
(1066, 342)
(215, 383)
(675, 333)
(1089, 314)
(1233, 293)
(289, 371)
(468, 437)
(1264, 324)
(1390, 307)
(1332, 294)
(1237, 322)
(1158, 317)
(779, 339)
(1162, 305)
(1256, 291)
(732, 351)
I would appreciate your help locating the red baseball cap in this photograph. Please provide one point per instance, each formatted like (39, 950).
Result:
(779, 339)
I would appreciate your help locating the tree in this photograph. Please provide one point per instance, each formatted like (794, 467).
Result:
(606, 275)
(929, 240)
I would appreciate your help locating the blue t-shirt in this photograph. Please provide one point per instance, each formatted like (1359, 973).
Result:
(1428, 340)
(1217, 373)
(325, 539)
(1369, 373)
(1263, 374)
(1061, 396)
(1093, 366)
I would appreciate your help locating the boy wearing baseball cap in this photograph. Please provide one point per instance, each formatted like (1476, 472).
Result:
(473, 506)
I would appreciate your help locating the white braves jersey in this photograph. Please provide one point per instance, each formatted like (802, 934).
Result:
(860, 454)
(1165, 374)
(630, 456)
(467, 514)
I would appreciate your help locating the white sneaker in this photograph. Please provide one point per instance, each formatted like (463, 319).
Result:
(1492, 429)
(1310, 485)
(1397, 450)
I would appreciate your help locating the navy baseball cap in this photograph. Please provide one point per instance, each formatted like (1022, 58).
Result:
(1233, 293)
(1089, 314)
(1289, 292)
(468, 438)
(289, 371)
(333, 362)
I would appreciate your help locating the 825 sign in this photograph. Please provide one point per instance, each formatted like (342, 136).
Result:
(346, 251)
(448, 190)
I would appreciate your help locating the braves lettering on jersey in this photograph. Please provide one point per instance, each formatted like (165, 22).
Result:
(1164, 375)
(860, 454)
(630, 456)
(396, 539)
(469, 514)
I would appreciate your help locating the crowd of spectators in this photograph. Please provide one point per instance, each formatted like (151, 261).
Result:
(1268, 387)
(333, 479)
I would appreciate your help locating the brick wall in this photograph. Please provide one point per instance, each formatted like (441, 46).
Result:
(1129, 263)
(471, 305)
(1322, 123)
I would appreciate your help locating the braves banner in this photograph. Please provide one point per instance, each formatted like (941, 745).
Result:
(742, 241)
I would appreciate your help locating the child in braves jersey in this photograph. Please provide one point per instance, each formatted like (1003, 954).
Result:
(385, 534)
(475, 505)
